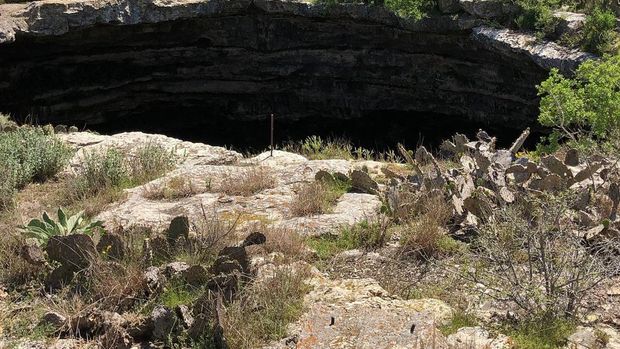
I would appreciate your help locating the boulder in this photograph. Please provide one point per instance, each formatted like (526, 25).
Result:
(75, 252)
(163, 320)
(571, 158)
(196, 275)
(33, 254)
(112, 246)
(175, 269)
(554, 165)
(362, 182)
(54, 320)
(179, 227)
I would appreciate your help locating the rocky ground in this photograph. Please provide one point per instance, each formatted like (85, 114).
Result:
(360, 298)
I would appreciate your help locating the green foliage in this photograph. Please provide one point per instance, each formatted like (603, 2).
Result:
(317, 148)
(28, 154)
(537, 15)
(112, 170)
(544, 333)
(586, 106)
(265, 309)
(414, 9)
(599, 35)
(43, 230)
(459, 319)
(364, 235)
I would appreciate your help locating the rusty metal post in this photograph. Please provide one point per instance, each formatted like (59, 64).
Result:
(271, 135)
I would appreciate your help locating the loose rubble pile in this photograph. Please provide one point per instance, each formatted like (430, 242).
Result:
(487, 178)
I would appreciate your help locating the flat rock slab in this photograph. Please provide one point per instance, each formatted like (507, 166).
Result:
(358, 313)
(201, 164)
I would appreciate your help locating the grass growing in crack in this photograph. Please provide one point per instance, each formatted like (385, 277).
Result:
(317, 148)
(459, 319)
(250, 182)
(175, 188)
(318, 197)
(265, 309)
(541, 334)
(364, 235)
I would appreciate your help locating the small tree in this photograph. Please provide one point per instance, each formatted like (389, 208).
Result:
(586, 107)
(530, 254)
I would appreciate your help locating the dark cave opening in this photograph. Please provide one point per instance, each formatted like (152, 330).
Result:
(378, 131)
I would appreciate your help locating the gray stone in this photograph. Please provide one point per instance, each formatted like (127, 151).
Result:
(179, 227)
(75, 251)
(175, 269)
(196, 275)
(571, 158)
(112, 246)
(164, 321)
(54, 320)
(362, 182)
(33, 254)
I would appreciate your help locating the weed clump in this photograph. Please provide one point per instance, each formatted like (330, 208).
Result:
(28, 155)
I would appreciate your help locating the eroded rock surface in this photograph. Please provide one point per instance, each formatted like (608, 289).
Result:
(204, 166)
(151, 64)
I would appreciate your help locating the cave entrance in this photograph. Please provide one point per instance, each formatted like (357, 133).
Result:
(378, 131)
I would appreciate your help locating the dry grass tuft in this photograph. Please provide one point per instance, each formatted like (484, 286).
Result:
(265, 309)
(175, 188)
(424, 233)
(317, 197)
(285, 241)
(116, 287)
(250, 182)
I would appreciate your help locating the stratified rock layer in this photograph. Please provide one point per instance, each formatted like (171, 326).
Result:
(137, 62)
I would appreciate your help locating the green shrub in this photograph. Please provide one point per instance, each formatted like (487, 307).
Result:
(537, 15)
(586, 107)
(28, 154)
(599, 35)
(112, 169)
(544, 333)
(459, 319)
(414, 9)
(43, 230)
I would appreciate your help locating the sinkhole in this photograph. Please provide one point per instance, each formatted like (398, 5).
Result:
(217, 78)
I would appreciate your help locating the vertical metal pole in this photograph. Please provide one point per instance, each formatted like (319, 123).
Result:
(271, 135)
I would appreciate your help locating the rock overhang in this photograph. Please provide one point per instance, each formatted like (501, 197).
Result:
(109, 61)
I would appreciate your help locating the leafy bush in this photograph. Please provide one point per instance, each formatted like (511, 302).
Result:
(28, 154)
(415, 9)
(599, 35)
(43, 230)
(537, 15)
(585, 107)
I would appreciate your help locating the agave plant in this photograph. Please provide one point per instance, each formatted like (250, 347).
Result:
(43, 230)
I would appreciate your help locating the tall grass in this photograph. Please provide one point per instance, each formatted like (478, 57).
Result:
(27, 155)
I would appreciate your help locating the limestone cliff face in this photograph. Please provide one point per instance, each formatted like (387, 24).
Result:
(102, 61)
